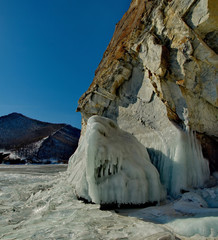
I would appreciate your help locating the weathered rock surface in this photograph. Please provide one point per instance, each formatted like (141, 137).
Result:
(3, 156)
(36, 141)
(159, 73)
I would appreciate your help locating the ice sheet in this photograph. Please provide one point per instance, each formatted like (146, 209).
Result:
(188, 216)
(45, 207)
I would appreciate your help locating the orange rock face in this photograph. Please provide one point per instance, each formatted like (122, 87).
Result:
(161, 63)
(117, 52)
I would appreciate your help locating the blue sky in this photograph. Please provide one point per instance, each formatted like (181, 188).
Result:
(49, 50)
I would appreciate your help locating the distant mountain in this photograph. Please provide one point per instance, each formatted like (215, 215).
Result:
(36, 141)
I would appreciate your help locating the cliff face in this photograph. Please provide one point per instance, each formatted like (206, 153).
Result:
(159, 74)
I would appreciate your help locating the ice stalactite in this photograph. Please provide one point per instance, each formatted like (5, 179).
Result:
(182, 166)
(111, 166)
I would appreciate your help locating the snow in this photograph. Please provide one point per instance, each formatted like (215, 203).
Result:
(111, 166)
(203, 226)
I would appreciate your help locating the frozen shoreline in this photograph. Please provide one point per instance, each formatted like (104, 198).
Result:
(44, 206)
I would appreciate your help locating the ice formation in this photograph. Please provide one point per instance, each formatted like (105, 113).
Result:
(180, 163)
(111, 166)
(179, 159)
(189, 216)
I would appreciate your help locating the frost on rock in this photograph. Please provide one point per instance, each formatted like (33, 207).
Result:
(111, 166)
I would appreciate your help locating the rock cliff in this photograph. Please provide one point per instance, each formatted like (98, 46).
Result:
(159, 74)
(36, 141)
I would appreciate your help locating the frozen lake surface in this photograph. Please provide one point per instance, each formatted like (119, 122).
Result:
(36, 202)
(38, 170)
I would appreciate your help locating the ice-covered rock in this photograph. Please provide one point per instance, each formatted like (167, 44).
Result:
(210, 195)
(190, 202)
(161, 59)
(111, 166)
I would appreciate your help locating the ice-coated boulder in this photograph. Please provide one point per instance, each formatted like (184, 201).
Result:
(110, 166)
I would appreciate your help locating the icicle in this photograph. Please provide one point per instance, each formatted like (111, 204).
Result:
(182, 166)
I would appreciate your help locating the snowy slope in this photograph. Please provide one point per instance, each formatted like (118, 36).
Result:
(35, 140)
(17, 130)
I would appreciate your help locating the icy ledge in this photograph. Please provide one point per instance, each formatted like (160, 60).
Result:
(111, 166)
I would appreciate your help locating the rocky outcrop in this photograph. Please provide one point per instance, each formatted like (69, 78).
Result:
(60, 145)
(35, 141)
(3, 156)
(159, 73)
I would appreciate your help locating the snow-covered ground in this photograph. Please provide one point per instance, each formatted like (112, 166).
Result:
(37, 203)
